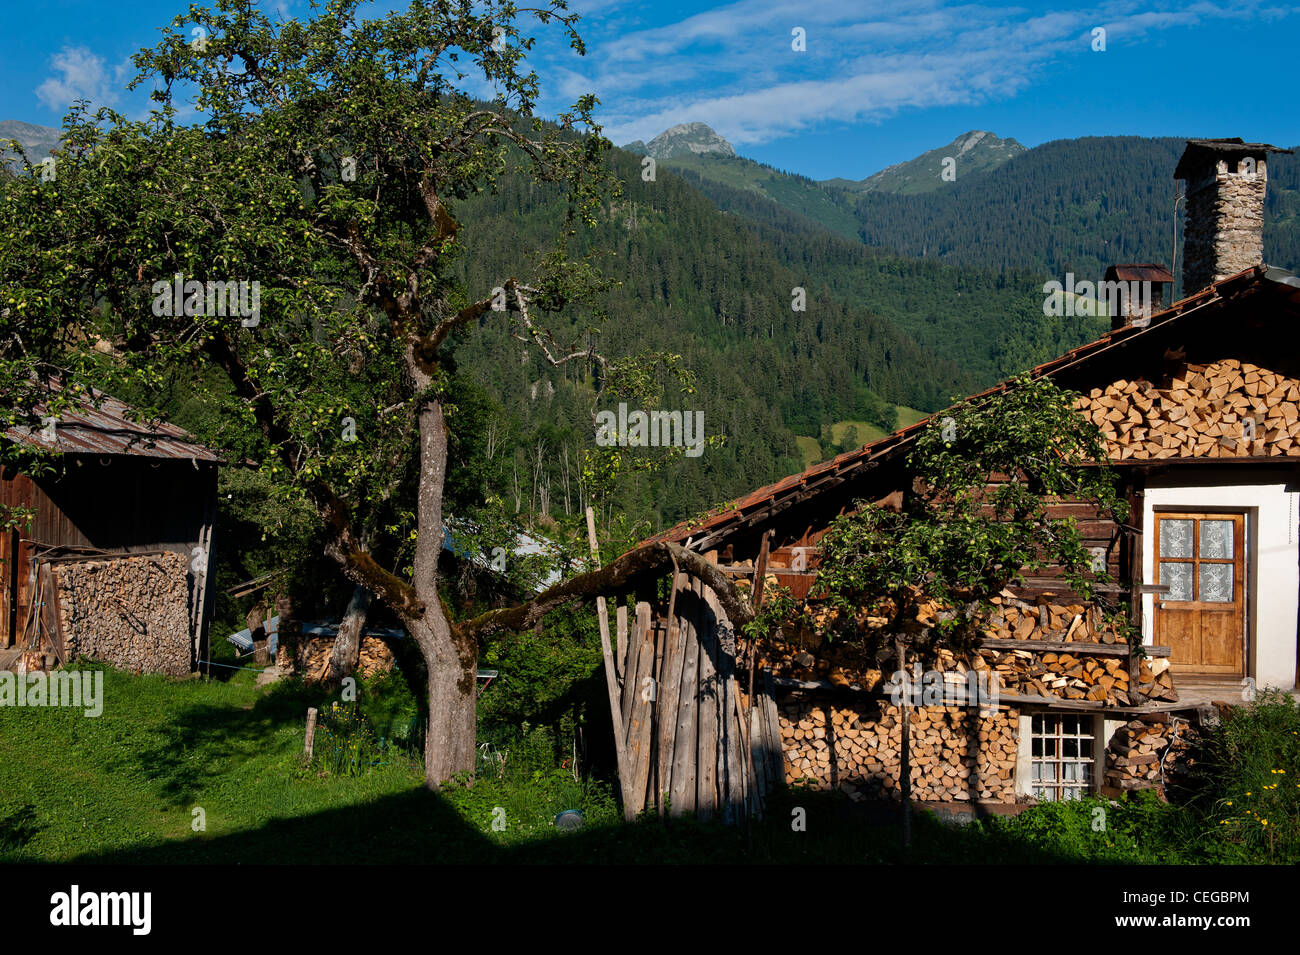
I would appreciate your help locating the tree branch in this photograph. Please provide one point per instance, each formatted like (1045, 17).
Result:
(616, 576)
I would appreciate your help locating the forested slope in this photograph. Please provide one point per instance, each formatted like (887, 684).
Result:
(1071, 205)
(716, 287)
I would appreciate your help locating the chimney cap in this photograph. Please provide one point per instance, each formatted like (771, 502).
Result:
(1147, 272)
(1198, 149)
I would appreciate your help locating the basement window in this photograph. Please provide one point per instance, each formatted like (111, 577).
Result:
(1062, 756)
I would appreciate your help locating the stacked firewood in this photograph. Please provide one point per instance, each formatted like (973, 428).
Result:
(1225, 409)
(1069, 675)
(1017, 620)
(130, 611)
(955, 754)
(30, 661)
(313, 657)
(1134, 754)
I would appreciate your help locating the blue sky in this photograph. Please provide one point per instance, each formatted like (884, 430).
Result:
(878, 82)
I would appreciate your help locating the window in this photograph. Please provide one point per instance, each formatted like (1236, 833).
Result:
(1062, 756)
(1197, 558)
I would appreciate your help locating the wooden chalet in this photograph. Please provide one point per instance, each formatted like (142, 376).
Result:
(1200, 407)
(114, 565)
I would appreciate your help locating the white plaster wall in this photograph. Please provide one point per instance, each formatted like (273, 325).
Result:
(1272, 568)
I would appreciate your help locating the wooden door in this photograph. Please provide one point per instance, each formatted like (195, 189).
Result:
(1202, 617)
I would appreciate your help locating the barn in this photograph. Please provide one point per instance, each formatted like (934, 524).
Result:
(1199, 404)
(113, 564)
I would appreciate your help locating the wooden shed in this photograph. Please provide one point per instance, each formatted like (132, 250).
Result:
(115, 562)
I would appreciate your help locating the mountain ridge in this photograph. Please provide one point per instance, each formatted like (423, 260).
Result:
(684, 139)
(972, 152)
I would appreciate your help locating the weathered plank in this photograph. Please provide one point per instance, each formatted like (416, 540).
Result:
(707, 719)
(621, 646)
(643, 690)
(685, 746)
(611, 678)
(736, 770)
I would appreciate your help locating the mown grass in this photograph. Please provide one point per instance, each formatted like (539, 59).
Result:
(810, 448)
(123, 788)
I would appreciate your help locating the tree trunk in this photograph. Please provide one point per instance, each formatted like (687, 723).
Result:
(450, 734)
(347, 645)
(450, 658)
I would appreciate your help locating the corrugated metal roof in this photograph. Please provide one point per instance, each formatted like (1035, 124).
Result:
(108, 430)
(832, 472)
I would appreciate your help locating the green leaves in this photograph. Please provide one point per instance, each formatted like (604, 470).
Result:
(978, 516)
(355, 270)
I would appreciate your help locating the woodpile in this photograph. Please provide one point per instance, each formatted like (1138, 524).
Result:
(956, 755)
(30, 661)
(313, 656)
(1097, 671)
(1135, 752)
(1073, 622)
(1225, 409)
(131, 612)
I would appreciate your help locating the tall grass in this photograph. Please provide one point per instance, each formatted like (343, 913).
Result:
(1248, 781)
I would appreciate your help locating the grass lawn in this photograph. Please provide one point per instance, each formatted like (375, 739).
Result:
(123, 787)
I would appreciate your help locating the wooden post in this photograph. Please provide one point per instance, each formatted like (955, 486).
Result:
(611, 682)
(756, 601)
(309, 744)
(670, 676)
(620, 649)
(904, 749)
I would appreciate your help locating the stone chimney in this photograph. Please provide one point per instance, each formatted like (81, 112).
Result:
(1224, 232)
(1136, 292)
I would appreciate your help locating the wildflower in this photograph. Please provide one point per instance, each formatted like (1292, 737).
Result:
(1229, 804)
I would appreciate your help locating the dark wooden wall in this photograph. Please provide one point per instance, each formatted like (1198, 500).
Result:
(114, 503)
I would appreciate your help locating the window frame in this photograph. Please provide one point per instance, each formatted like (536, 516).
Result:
(1088, 727)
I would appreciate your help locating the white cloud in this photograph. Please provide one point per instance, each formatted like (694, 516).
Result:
(83, 76)
(732, 67)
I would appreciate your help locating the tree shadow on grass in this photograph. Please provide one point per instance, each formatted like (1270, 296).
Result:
(419, 826)
(416, 826)
(201, 742)
(17, 828)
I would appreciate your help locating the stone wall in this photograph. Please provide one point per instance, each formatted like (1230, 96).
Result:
(131, 612)
(1225, 225)
(956, 755)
